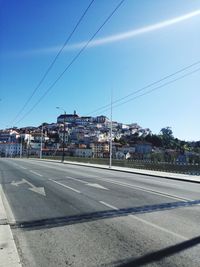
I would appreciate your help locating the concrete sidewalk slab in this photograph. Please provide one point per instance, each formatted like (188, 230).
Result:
(8, 252)
(3, 218)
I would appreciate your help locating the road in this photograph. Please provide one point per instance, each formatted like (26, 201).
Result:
(66, 215)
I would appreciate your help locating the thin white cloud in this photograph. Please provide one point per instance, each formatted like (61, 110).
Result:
(116, 37)
(150, 28)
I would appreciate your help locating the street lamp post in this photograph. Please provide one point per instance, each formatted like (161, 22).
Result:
(21, 147)
(111, 130)
(28, 154)
(41, 142)
(64, 135)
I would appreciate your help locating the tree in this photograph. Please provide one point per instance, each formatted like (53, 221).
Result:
(116, 140)
(123, 141)
(167, 137)
(167, 132)
(154, 139)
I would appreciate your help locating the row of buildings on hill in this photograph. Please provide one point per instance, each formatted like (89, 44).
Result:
(82, 136)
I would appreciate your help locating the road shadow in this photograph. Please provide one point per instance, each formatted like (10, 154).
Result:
(161, 254)
(99, 215)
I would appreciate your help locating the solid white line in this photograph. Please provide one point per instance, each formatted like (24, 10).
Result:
(136, 179)
(166, 183)
(77, 191)
(158, 227)
(87, 175)
(76, 180)
(108, 205)
(144, 189)
(36, 173)
(23, 168)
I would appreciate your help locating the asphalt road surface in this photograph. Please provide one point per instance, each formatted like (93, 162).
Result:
(67, 215)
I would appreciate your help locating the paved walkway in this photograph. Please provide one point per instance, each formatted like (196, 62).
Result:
(8, 252)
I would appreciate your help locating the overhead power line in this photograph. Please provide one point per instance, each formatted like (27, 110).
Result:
(54, 60)
(72, 61)
(154, 89)
(145, 87)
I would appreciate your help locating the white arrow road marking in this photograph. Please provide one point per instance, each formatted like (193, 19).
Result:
(23, 181)
(39, 190)
(89, 184)
(97, 186)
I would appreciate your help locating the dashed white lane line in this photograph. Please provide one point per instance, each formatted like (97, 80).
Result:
(158, 227)
(108, 205)
(147, 222)
(73, 189)
(36, 173)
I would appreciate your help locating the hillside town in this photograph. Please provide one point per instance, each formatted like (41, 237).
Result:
(89, 137)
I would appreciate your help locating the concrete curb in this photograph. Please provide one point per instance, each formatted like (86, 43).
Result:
(136, 171)
(8, 251)
(170, 176)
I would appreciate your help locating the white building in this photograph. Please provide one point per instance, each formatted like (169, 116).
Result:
(10, 149)
(125, 152)
(26, 137)
(8, 135)
(121, 155)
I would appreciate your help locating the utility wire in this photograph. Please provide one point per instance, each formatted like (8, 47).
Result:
(54, 60)
(73, 60)
(154, 89)
(146, 87)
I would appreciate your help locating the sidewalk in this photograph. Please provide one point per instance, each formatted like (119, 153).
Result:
(8, 251)
(167, 175)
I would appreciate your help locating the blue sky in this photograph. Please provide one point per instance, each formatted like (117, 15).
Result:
(32, 32)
